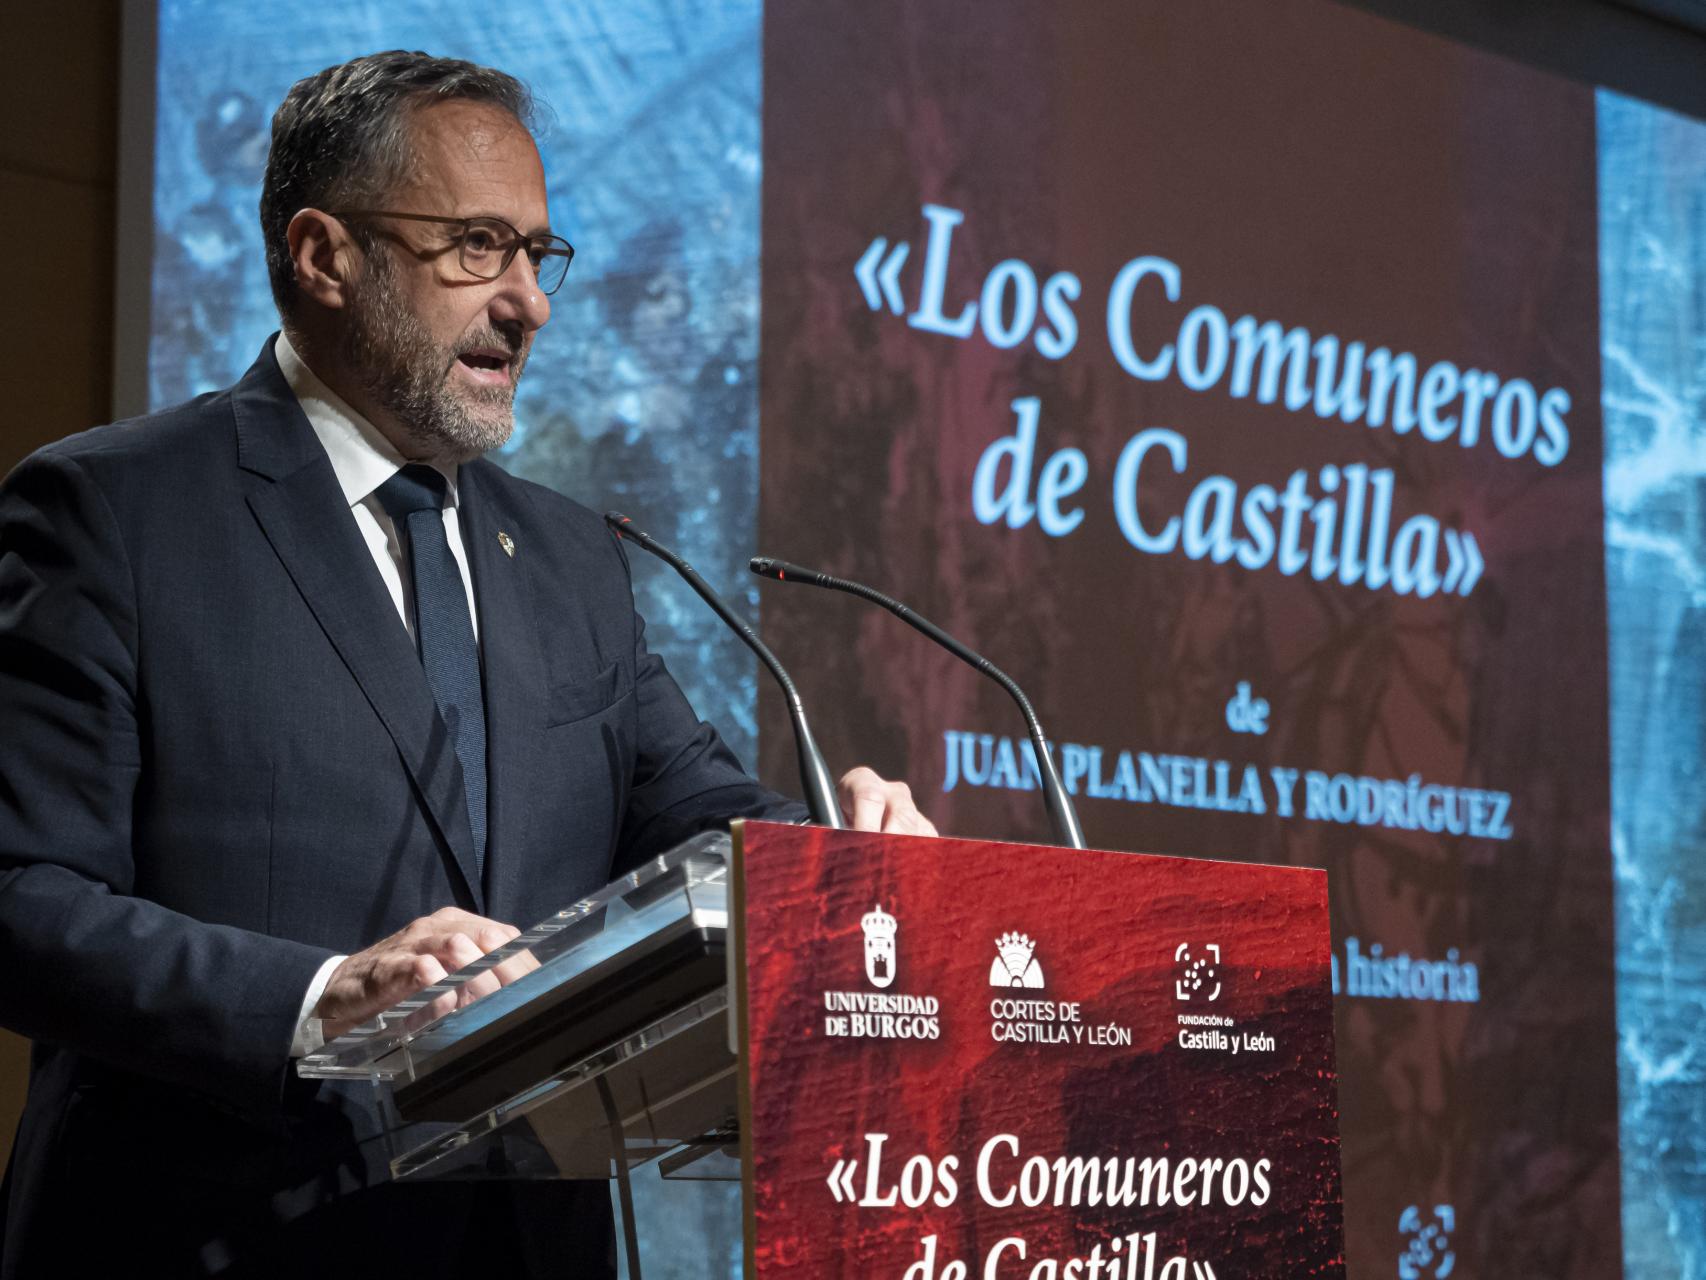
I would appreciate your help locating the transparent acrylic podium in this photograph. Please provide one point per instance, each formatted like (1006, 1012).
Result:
(607, 1047)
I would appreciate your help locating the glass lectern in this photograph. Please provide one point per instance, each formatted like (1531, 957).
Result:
(608, 1046)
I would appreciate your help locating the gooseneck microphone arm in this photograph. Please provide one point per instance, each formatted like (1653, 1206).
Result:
(1060, 811)
(814, 773)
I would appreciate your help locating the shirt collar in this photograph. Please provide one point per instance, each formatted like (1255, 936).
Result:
(362, 458)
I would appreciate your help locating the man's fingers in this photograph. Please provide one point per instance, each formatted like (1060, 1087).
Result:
(462, 950)
(905, 818)
(873, 804)
(868, 811)
(908, 822)
(420, 971)
(481, 984)
(460, 940)
(863, 800)
(455, 919)
(514, 966)
(441, 1005)
(448, 952)
(491, 935)
(487, 981)
(422, 953)
(897, 817)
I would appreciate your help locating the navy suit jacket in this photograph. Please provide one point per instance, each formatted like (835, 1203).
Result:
(221, 764)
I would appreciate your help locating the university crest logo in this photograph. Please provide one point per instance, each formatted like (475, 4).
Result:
(880, 929)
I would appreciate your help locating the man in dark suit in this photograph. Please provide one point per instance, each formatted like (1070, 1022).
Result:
(305, 704)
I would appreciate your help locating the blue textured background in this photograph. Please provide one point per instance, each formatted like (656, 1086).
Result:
(1652, 183)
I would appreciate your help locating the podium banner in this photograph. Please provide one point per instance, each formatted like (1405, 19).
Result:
(971, 1059)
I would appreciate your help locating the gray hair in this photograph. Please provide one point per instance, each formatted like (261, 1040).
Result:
(341, 138)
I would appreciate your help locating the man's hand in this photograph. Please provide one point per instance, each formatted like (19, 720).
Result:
(371, 981)
(871, 804)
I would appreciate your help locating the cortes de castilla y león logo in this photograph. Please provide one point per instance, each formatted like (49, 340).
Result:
(1015, 963)
(1016, 1016)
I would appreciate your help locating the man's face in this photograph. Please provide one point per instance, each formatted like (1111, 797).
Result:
(439, 352)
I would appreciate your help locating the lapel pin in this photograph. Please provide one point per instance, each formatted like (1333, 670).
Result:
(507, 543)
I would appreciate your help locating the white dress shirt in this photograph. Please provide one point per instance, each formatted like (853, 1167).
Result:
(363, 459)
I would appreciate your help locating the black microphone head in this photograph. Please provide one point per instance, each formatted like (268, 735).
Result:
(787, 571)
(615, 519)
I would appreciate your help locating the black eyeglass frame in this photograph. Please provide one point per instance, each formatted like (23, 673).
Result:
(543, 245)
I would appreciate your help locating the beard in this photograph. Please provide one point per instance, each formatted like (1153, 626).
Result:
(408, 372)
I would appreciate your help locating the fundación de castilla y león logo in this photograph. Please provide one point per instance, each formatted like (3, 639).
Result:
(1197, 977)
(1428, 1254)
(1194, 972)
(1015, 964)
(880, 929)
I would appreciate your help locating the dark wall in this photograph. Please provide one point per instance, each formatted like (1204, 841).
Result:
(58, 162)
(1596, 41)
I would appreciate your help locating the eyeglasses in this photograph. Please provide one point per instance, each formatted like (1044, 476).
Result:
(486, 246)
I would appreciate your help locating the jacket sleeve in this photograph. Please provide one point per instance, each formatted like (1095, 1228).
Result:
(686, 779)
(89, 965)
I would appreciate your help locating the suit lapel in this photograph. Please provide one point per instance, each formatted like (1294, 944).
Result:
(296, 499)
(514, 668)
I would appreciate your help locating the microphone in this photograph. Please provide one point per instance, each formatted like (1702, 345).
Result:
(814, 773)
(1061, 814)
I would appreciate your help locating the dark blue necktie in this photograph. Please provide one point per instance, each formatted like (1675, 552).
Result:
(444, 633)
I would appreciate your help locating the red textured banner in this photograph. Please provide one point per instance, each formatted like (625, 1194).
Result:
(971, 1059)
